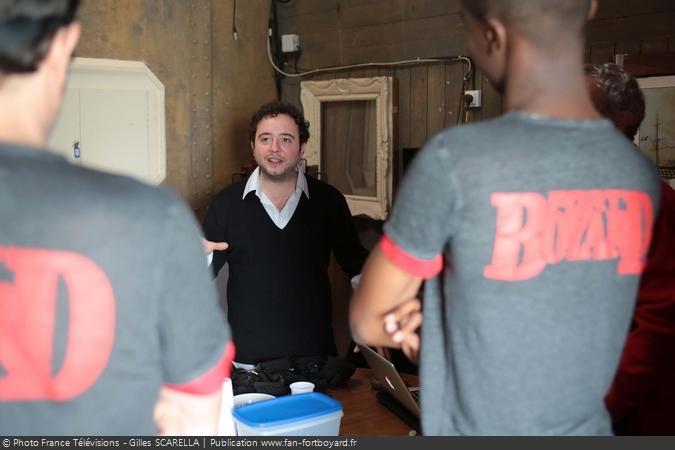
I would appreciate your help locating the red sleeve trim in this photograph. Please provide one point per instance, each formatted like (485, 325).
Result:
(424, 268)
(211, 380)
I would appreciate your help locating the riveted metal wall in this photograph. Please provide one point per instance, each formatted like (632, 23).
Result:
(200, 103)
(212, 82)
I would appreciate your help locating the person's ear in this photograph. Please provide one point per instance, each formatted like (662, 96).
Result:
(494, 33)
(61, 47)
(72, 37)
(52, 73)
(302, 149)
(592, 9)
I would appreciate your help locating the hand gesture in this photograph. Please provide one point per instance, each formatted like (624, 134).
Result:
(210, 247)
(402, 323)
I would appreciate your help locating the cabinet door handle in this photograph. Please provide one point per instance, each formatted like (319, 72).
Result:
(76, 149)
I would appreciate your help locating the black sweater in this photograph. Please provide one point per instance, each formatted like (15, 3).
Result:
(278, 293)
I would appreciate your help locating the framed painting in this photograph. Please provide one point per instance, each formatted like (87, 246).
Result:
(656, 137)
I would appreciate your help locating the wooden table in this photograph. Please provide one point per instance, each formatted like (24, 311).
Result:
(364, 415)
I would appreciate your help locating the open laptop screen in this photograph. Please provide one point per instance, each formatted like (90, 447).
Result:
(390, 379)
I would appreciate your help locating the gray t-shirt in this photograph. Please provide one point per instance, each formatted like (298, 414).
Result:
(543, 225)
(104, 296)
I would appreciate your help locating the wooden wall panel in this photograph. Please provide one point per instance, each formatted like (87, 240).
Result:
(627, 47)
(321, 21)
(453, 91)
(212, 82)
(306, 8)
(403, 109)
(361, 14)
(435, 99)
(658, 45)
(356, 31)
(426, 29)
(337, 32)
(418, 105)
(621, 8)
(602, 53)
(349, 32)
(633, 28)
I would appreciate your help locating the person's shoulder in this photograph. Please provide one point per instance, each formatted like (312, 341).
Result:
(455, 139)
(85, 184)
(232, 192)
(473, 128)
(103, 185)
(128, 194)
(321, 189)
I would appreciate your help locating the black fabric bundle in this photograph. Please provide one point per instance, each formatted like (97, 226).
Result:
(273, 377)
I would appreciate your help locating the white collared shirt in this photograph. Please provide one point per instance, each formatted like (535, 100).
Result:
(280, 218)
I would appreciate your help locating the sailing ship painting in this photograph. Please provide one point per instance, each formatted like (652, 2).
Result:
(656, 137)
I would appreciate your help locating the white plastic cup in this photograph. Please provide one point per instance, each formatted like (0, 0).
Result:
(301, 387)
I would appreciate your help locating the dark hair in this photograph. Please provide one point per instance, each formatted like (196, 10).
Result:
(617, 97)
(540, 20)
(273, 109)
(27, 28)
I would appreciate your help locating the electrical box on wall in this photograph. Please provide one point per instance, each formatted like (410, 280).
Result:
(472, 99)
(290, 43)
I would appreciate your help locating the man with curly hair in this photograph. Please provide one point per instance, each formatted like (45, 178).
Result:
(642, 397)
(281, 227)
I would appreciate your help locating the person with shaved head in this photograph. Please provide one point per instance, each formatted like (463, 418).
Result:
(531, 230)
(97, 336)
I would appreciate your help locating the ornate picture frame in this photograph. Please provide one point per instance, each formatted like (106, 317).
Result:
(377, 89)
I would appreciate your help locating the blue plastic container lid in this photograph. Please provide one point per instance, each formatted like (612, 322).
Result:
(287, 409)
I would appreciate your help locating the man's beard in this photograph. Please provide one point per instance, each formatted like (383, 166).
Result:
(278, 178)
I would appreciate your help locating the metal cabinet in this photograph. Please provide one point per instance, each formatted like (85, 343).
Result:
(112, 119)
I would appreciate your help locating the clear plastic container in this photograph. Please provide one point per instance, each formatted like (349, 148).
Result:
(312, 414)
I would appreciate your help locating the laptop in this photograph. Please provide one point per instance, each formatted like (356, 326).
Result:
(391, 381)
